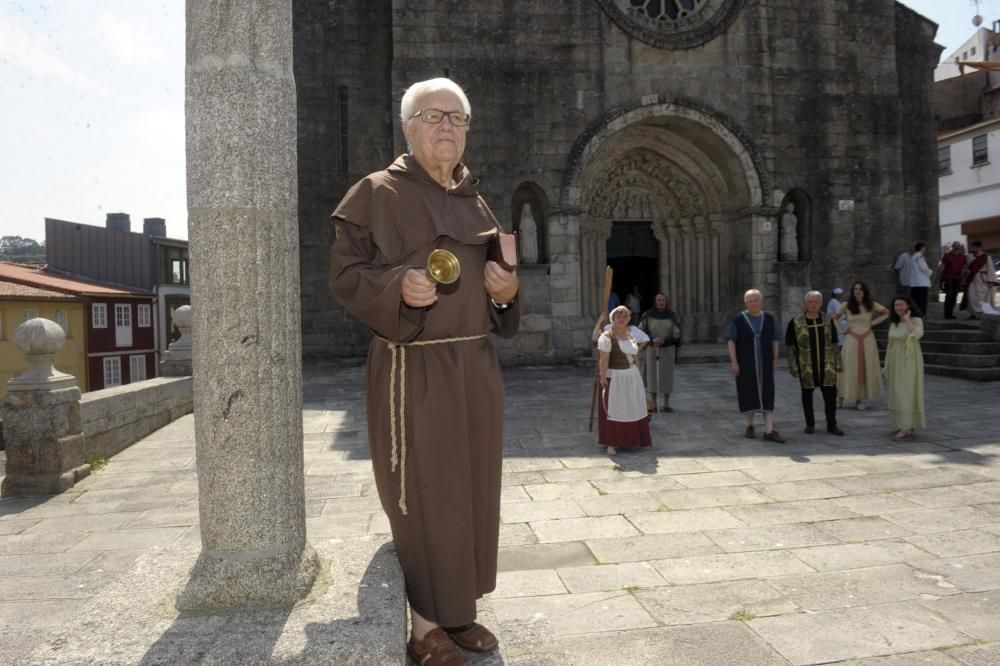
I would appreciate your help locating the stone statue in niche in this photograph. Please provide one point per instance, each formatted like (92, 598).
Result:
(527, 236)
(789, 248)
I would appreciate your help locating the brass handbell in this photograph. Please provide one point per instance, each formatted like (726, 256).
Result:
(443, 267)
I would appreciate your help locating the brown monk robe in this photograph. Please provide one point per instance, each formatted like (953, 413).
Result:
(453, 403)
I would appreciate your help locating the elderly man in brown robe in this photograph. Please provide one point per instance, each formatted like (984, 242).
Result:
(434, 388)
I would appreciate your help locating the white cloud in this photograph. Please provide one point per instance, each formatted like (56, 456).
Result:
(130, 41)
(32, 50)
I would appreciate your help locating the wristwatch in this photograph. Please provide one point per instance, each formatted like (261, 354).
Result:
(501, 307)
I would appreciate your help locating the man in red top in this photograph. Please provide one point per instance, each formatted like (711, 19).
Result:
(952, 266)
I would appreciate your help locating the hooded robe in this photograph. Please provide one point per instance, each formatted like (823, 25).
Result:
(446, 398)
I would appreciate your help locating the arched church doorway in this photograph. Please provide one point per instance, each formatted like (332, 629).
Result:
(633, 253)
(691, 184)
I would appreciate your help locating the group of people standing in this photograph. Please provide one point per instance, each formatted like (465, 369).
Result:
(957, 270)
(623, 411)
(843, 362)
(834, 351)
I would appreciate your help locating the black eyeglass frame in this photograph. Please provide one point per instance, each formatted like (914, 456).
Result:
(463, 116)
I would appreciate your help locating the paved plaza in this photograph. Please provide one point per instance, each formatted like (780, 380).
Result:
(709, 549)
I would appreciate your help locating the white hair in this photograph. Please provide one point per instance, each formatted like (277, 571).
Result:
(620, 308)
(750, 292)
(811, 294)
(418, 90)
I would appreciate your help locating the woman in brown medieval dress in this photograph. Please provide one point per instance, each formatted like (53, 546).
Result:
(434, 389)
(624, 423)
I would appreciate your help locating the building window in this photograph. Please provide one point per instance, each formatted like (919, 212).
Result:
(99, 315)
(143, 315)
(63, 321)
(112, 371)
(137, 367)
(123, 315)
(30, 313)
(123, 325)
(980, 153)
(178, 273)
(972, 51)
(944, 160)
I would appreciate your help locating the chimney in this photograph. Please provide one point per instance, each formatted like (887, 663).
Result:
(119, 222)
(154, 226)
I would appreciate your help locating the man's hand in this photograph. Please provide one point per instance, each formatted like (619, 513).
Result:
(418, 290)
(501, 284)
(734, 367)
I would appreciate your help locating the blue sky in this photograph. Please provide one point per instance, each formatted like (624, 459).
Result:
(93, 107)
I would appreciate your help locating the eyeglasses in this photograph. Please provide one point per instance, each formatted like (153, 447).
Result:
(435, 116)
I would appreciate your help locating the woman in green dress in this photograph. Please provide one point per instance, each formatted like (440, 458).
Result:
(904, 368)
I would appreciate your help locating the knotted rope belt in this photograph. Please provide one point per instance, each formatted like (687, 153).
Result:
(862, 379)
(398, 350)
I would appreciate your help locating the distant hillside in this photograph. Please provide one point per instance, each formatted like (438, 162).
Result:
(22, 250)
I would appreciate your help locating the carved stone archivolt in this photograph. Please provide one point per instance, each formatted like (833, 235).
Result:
(647, 174)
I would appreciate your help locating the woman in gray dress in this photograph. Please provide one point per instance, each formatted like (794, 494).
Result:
(662, 326)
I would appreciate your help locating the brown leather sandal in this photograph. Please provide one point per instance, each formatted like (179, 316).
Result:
(473, 637)
(436, 649)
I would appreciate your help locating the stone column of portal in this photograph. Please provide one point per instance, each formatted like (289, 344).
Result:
(243, 228)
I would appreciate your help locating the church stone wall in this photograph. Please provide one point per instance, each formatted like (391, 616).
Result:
(342, 46)
(800, 83)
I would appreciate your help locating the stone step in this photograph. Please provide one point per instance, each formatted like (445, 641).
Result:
(974, 374)
(963, 360)
(950, 325)
(929, 346)
(949, 335)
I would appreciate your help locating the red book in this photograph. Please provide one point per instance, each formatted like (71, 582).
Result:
(503, 250)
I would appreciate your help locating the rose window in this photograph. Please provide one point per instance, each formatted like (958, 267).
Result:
(673, 24)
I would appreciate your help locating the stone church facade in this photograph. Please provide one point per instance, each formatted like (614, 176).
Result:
(662, 137)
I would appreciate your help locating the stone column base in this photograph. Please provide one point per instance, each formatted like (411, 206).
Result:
(18, 485)
(272, 580)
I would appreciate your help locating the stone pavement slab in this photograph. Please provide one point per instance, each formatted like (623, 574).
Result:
(714, 602)
(651, 547)
(924, 658)
(731, 566)
(713, 644)
(976, 614)
(852, 633)
(859, 587)
(706, 549)
(610, 577)
(775, 537)
(347, 621)
(859, 555)
(977, 655)
(972, 573)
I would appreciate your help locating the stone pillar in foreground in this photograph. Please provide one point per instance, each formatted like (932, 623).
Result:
(177, 359)
(243, 230)
(41, 418)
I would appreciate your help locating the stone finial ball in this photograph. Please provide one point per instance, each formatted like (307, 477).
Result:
(182, 316)
(39, 336)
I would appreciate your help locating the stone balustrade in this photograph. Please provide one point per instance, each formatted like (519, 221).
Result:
(115, 418)
(177, 359)
(51, 430)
